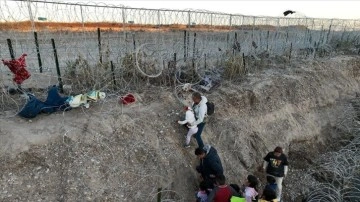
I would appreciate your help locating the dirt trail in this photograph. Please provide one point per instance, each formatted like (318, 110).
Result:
(114, 153)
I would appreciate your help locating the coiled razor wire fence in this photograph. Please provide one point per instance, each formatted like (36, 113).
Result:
(337, 173)
(118, 49)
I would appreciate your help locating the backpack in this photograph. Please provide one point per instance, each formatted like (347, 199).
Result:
(210, 108)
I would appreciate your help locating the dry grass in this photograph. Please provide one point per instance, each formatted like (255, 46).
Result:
(82, 76)
(234, 67)
(25, 26)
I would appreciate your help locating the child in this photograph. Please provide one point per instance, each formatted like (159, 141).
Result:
(236, 197)
(250, 192)
(269, 195)
(202, 194)
(222, 192)
(271, 183)
(189, 118)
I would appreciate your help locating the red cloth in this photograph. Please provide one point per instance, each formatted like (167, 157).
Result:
(223, 194)
(18, 68)
(127, 99)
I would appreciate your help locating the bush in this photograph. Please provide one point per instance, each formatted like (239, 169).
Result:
(234, 67)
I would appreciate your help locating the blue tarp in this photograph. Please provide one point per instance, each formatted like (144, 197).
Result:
(53, 103)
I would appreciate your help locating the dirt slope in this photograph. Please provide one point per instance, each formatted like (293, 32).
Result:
(115, 153)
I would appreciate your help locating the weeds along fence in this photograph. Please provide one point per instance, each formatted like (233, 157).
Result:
(120, 48)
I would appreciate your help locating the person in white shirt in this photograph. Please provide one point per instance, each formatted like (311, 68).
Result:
(200, 109)
(193, 129)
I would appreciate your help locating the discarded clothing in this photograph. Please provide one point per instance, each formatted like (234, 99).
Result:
(84, 99)
(210, 80)
(95, 95)
(127, 99)
(77, 101)
(53, 103)
(18, 68)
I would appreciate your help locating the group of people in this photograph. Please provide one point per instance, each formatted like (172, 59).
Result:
(213, 186)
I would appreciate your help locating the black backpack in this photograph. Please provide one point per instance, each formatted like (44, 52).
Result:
(210, 108)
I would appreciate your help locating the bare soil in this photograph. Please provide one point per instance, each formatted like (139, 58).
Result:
(111, 152)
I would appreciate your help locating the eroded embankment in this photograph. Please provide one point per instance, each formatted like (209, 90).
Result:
(115, 153)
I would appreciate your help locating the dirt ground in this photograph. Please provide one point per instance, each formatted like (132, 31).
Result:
(111, 152)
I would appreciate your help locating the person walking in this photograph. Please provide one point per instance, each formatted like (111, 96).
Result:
(276, 165)
(210, 163)
(200, 109)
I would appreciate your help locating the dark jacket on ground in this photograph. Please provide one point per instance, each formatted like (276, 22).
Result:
(211, 164)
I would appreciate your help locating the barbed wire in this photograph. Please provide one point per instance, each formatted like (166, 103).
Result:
(85, 55)
(337, 172)
(175, 57)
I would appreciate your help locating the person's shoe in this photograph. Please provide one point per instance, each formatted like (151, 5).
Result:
(186, 145)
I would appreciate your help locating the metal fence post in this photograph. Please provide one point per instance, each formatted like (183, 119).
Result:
(230, 20)
(82, 18)
(99, 44)
(189, 19)
(11, 49)
(158, 17)
(253, 29)
(57, 67)
(31, 16)
(123, 15)
(185, 45)
(38, 52)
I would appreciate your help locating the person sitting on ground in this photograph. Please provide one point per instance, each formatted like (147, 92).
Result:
(271, 183)
(222, 192)
(276, 165)
(210, 163)
(269, 195)
(200, 109)
(204, 191)
(189, 118)
(250, 191)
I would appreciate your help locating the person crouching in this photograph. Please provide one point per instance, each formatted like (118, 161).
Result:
(189, 119)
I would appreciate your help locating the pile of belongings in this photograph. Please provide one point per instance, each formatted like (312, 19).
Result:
(55, 102)
(211, 79)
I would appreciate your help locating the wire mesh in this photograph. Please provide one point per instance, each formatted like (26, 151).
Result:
(193, 40)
